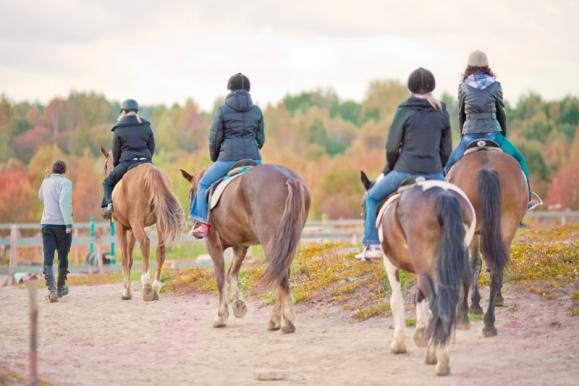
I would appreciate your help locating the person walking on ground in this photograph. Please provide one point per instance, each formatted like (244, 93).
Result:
(56, 194)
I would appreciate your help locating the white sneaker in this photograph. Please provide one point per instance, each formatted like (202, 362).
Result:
(370, 252)
(534, 202)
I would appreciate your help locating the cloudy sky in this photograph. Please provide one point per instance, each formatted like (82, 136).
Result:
(168, 51)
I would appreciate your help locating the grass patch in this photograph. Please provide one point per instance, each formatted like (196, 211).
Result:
(372, 311)
(472, 317)
(410, 322)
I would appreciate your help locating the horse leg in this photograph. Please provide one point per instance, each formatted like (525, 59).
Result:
(235, 297)
(275, 321)
(216, 252)
(287, 306)
(430, 355)
(475, 307)
(462, 321)
(144, 244)
(122, 234)
(160, 255)
(489, 328)
(397, 305)
(442, 361)
(420, 335)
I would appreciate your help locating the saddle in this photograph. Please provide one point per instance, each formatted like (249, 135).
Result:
(481, 144)
(218, 187)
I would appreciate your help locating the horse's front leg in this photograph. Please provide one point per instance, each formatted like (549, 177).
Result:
(287, 306)
(422, 317)
(216, 252)
(462, 320)
(476, 262)
(235, 297)
(397, 305)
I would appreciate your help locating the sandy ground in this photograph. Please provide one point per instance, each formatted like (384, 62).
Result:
(94, 338)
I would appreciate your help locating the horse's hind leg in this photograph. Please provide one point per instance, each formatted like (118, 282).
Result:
(476, 262)
(420, 335)
(287, 306)
(489, 328)
(216, 252)
(144, 244)
(397, 305)
(122, 234)
(160, 255)
(235, 297)
(462, 321)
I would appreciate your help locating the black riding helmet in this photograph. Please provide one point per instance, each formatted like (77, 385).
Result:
(130, 105)
(421, 81)
(238, 82)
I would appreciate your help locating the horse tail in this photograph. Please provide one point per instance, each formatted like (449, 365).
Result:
(288, 233)
(168, 211)
(452, 270)
(489, 196)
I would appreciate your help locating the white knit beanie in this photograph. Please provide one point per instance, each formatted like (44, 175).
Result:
(477, 58)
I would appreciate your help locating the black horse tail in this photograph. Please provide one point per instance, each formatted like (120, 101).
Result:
(288, 234)
(451, 272)
(489, 197)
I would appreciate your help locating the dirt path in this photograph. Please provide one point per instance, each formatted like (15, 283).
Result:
(94, 338)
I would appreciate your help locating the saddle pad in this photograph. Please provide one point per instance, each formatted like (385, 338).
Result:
(429, 184)
(220, 188)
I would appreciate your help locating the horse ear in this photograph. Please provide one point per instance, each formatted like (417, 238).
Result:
(186, 175)
(365, 180)
(104, 152)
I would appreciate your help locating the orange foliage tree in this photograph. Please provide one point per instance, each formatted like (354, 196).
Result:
(17, 196)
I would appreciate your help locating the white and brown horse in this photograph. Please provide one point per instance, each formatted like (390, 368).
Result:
(425, 230)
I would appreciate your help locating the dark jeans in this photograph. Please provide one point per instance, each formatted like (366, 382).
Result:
(55, 238)
(115, 176)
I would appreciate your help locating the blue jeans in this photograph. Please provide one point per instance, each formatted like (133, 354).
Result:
(383, 188)
(458, 152)
(199, 206)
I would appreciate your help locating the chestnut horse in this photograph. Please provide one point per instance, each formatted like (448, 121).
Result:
(142, 198)
(496, 186)
(425, 230)
(267, 205)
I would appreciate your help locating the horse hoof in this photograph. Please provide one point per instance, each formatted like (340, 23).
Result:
(239, 308)
(463, 325)
(499, 301)
(489, 331)
(273, 326)
(430, 358)
(126, 297)
(288, 329)
(397, 348)
(218, 324)
(155, 296)
(475, 309)
(442, 370)
(420, 337)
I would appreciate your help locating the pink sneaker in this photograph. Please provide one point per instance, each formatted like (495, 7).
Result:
(200, 230)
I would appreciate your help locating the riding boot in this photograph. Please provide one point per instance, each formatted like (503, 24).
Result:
(62, 288)
(50, 284)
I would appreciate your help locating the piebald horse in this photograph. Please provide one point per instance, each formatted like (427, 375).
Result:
(424, 229)
(143, 197)
(496, 186)
(267, 205)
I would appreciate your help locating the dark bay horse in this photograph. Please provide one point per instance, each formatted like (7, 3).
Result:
(268, 205)
(142, 198)
(425, 230)
(496, 186)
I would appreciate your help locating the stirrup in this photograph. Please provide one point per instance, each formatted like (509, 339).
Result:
(535, 201)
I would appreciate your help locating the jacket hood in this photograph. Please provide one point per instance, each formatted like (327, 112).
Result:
(130, 120)
(416, 104)
(239, 100)
(479, 81)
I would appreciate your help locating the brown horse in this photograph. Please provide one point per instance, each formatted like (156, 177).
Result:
(425, 230)
(268, 205)
(496, 186)
(142, 198)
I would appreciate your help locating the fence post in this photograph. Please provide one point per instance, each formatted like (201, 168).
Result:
(13, 251)
(32, 285)
(112, 234)
(99, 254)
(91, 234)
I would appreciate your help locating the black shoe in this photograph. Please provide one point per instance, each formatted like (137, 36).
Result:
(62, 288)
(107, 212)
(50, 284)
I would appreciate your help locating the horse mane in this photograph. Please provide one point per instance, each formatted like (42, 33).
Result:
(170, 216)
